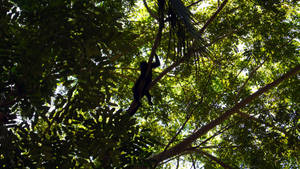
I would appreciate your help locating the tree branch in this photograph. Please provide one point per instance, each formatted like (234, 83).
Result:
(179, 148)
(150, 11)
(213, 17)
(194, 3)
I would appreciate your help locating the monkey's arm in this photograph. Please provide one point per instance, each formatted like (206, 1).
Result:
(156, 63)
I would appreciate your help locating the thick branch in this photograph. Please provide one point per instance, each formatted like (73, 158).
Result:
(179, 148)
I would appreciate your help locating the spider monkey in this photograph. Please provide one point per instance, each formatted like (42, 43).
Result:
(140, 87)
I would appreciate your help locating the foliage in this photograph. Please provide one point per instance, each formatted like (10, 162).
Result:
(67, 69)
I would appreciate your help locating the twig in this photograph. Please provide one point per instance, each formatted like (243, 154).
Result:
(217, 160)
(179, 131)
(247, 116)
(250, 77)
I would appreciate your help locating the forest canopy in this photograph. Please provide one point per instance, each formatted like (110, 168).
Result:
(226, 94)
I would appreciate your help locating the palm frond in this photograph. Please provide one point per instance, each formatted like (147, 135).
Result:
(186, 18)
(185, 15)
